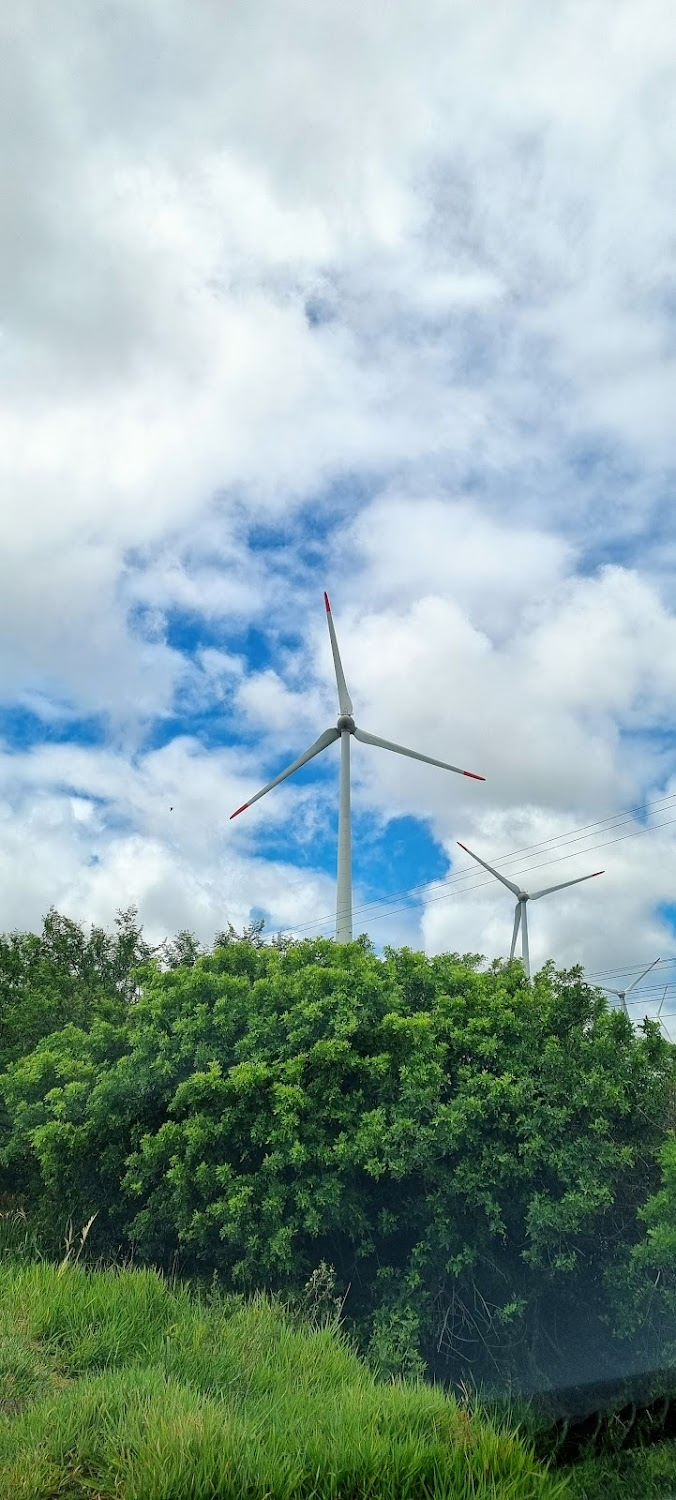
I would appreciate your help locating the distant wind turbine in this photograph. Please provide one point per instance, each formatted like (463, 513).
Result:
(522, 897)
(621, 993)
(343, 730)
(659, 1013)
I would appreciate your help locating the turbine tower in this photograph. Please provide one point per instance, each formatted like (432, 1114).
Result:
(343, 731)
(621, 993)
(522, 897)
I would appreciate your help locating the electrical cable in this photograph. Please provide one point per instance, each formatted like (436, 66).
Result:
(467, 889)
(555, 841)
(649, 990)
(626, 969)
(573, 835)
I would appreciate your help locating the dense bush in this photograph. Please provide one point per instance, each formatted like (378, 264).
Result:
(469, 1152)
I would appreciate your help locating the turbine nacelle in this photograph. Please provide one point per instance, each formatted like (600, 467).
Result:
(346, 724)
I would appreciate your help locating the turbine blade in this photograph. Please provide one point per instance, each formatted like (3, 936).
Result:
(517, 924)
(515, 889)
(322, 743)
(662, 1000)
(374, 739)
(607, 990)
(642, 976)
(344, 699)
(564, 885)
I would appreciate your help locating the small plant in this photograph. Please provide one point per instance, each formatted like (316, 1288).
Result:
(319, 1305)
(69, 1242)
(393, 1351)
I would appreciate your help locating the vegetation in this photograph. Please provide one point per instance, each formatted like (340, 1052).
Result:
(480, 1173)
(117, 1384)
(474, 1156)
(642, 1474)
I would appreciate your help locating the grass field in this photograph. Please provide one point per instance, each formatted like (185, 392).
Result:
(117, 1385)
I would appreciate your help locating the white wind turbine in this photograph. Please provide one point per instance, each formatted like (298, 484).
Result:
(343, 730)
(659, 1013)
(522, 897)
(622, 993)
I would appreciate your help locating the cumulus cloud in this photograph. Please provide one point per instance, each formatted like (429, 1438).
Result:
(88, 831)
(378, 298)
(610, 923)
(412, 546)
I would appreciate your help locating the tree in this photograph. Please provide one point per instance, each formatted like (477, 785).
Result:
(467, 1151)
(64, 976)
(182, 952)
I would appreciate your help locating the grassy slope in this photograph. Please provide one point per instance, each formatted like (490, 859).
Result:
(115, 1384)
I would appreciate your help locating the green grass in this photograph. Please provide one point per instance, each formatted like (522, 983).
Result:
(119, 1386)
(639, 1474)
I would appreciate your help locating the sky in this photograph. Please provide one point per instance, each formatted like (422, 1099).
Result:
(373, 299)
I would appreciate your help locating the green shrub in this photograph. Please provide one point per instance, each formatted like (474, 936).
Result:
(470, 1153)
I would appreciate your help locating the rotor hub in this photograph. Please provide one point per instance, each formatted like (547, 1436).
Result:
(523, 896)
(346, 724)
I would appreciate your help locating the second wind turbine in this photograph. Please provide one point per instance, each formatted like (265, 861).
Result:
(522, 899)
(344, 729)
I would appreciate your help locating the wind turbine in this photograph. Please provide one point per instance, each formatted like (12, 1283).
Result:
(344, 729)
(659, 1013)
(522, 897)
(621, 993)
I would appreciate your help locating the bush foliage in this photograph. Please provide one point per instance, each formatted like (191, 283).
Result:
(481, 1161)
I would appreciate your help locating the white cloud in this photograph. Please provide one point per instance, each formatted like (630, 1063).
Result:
(610, 922)
(88, 832)
(544, 710)
(261, 264)
(266, 701)
(412, 546)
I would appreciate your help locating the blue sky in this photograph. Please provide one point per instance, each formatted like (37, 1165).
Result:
(393, 320)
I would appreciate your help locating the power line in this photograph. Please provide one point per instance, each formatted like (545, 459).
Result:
(458, 880)
(468, 889)
(557, 840)
(626, 969)
(651, 990)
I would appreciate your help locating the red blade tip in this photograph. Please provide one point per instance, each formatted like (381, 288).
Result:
(463, 846)
(326, 602)
(236, 814)
(598, 872)
(474, 776)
